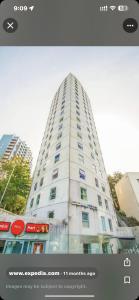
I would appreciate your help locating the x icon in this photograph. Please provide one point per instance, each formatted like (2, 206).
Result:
(10, 25)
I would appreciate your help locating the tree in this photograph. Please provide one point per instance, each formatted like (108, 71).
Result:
(113, 180)
(15, 185)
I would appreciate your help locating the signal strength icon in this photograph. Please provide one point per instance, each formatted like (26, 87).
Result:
(113, 7)
(103, 8)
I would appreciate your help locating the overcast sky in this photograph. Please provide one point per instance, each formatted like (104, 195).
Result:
(30, 76)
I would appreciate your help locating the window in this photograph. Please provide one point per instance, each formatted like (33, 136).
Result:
(92, 155)
(89, 137)
(38, 199)
(35, 186)
(53, 193)
(59, 135)
(87, 248)
(88, 129)
(82, 174)
(99, 200)
(91, 146)
(60, 126)
(78, 126)
(61, 119)
(77, 106)
(41, 181)
(83, 193)
(106, 204)
(110, 224)
(96, 152)
(50, 137)
(85, 219)
(55, 174)
(80, 146)
(48, 146)
(78, 119)
(62, 112)
(81, 157)
(57, 157)
(103, 223)
(77, 112)
(96, 182)
(51, 214)
(31, 202)
(44, 167)
(79, 135)
(103, 188)
(46, 155)
(62, 107)
(58, 146)
(38, 173)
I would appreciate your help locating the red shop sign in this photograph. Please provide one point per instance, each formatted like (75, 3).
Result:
(4, 226)
(37, 228)
(17, 227)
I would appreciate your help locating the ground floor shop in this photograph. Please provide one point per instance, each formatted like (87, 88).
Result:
(34, 236)
(22, 247)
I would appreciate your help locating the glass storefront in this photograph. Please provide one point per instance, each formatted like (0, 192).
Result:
(24, 247)
(2, 244)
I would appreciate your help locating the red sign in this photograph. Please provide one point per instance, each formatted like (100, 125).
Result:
(37, 228)
(4, 226)
(17, 227)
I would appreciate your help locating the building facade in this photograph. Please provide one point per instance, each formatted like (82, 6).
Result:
(11, 145)
(70, 181)
(127, 190)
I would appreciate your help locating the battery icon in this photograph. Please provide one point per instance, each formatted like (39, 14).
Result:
(123, 7)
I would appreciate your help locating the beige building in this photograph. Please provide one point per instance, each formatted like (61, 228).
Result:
(127, 190)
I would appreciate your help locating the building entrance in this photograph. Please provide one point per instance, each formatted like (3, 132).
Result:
(38, 248)
(2, 243)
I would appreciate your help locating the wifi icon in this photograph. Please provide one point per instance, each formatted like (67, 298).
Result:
(113, 7)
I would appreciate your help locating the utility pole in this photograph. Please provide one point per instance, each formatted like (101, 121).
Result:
(7, 184)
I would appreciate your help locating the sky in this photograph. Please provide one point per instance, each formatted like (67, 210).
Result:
(30, 76)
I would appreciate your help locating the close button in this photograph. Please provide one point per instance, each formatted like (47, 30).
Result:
(10, 25)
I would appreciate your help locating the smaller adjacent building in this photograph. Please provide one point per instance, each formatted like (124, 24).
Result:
(11, 146)
(127, 190)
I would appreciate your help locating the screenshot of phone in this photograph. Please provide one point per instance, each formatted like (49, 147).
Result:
(69, 149)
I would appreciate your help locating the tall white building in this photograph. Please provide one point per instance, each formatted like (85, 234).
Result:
(127, 190)
(70, 183)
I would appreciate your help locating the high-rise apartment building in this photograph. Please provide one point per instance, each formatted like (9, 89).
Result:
(11, 145)
(70, 182)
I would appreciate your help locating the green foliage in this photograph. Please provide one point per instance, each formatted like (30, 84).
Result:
(113, 180)
(132, 222)
(122, 213)
(18, 181)
(129, 221)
